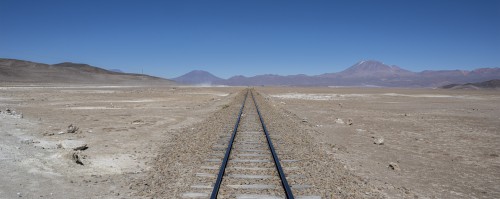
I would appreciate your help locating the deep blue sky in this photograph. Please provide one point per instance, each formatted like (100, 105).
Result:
(170, 38)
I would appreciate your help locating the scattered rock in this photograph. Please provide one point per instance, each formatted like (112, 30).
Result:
(72, 129)
(48, 134)
(304, 120)
(339, 121)
(11, 113)
(27, 141)
(394, 166)
(379, 141)
(138, 122)
(44, 144)
(76, 157)
(350, 121)
(76, 145)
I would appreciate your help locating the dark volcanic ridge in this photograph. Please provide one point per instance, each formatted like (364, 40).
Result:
(19, 71)
(491, 84)
(363, 74)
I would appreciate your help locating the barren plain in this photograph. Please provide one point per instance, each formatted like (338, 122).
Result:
(148, 142)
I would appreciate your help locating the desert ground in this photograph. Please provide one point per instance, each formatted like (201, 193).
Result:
(88, 141)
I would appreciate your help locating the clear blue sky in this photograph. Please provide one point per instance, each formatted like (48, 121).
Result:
(170, 38)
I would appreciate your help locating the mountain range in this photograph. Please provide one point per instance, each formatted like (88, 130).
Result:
(364, 73)
(19, 71)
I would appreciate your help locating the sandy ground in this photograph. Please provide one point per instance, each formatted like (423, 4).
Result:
(122, 127)
(445, 143)
(149, 142)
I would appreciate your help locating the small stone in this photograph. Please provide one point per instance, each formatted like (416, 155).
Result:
(72, 129)
(394, 166)
(339, 121)
(138, 122)
(77, 160)
(379, 141)
(349, 121)
(27, 141)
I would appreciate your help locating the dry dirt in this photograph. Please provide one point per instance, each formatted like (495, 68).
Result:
(148, 142)
(122, 126)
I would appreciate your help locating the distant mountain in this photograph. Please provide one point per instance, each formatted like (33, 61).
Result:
(491, 84)
(364, 73)
(374, 69)
(19, 71)
(197, 77)
(370, 74)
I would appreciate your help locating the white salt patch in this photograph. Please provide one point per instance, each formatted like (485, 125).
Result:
(319, 96)
(88, 91)
(216, 94)
(61, 87)
(431, 96)
(90, 108)
(130, 101)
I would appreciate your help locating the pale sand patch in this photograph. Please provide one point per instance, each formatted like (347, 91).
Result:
(116, 163)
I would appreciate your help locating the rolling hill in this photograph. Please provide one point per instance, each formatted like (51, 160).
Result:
(19, 71)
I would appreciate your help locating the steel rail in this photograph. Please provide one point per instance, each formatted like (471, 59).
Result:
(284, 182)
(222, 169)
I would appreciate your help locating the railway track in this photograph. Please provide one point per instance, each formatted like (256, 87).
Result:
(245, 163)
